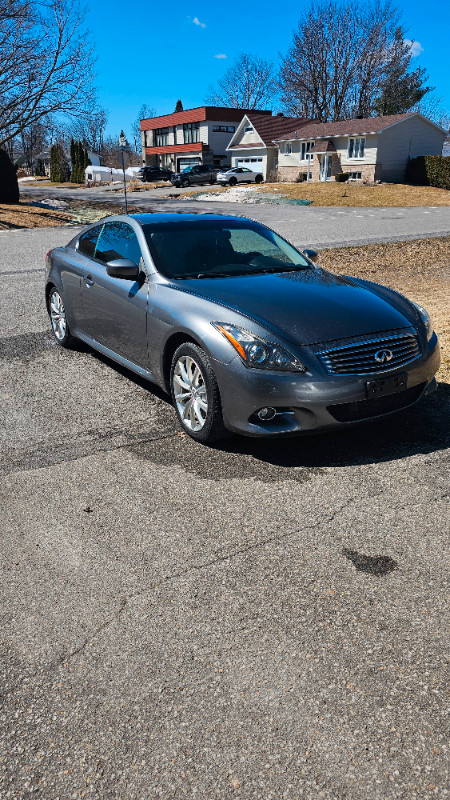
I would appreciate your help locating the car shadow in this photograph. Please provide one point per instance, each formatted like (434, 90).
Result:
(421, 429)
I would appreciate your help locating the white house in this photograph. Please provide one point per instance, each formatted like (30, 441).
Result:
(253, 144)
(370, 149)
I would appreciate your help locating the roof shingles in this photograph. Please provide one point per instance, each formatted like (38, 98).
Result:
(346, 127)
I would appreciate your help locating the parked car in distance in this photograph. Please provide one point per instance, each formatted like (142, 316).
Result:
(245, 332)
(239, 175)
(148, 174)
(197, 173)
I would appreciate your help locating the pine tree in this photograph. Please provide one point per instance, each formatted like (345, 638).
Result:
(9, 188)
(400, 88)
(179, 106)
(59, 168)
(72, 161)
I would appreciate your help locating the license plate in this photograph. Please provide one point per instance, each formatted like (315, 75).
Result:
(382, 386)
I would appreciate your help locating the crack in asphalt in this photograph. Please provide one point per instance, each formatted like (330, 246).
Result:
(125, 601)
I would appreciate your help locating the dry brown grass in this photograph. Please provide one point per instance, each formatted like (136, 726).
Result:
(418, 269)
(357, 194)
(24, 215)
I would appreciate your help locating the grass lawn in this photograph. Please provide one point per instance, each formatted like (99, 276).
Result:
(25, 215)
(356, 194)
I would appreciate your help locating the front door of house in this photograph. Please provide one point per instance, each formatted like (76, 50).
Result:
(325, 167)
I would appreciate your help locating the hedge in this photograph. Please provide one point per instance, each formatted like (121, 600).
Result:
(9, 188)
(342, 177)
(429, 171)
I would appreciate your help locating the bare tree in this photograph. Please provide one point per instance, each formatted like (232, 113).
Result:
(145, 112)
(248, 83)
(344, 59)
(46, 62)
(91, 130)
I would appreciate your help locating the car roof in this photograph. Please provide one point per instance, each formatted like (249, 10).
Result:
(148, 219)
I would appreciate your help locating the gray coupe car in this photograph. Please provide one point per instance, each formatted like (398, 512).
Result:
(245, 332)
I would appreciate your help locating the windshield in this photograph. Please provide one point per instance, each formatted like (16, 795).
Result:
(215, 248)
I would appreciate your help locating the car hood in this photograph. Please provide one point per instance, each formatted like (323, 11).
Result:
(307, 307)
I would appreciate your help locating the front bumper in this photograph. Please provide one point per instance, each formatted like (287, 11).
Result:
(306, 403)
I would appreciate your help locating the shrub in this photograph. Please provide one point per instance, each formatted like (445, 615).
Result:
(59, 168)
(341, 177)
(302, 177)
(429, 171)
(9, 188)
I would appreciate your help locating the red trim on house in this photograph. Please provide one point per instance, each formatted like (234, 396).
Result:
(200, 114)
(195, 147)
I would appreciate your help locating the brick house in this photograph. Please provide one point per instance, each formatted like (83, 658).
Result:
(253, 144)
(371, 149)
(195, 136)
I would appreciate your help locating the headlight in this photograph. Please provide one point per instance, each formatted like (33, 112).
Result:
(258, 353)
(425, 319)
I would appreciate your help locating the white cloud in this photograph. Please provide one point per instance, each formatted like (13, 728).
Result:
(220, 55)
(415, 47)
(196, 21)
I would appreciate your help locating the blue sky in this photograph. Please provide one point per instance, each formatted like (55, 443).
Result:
(155, 53)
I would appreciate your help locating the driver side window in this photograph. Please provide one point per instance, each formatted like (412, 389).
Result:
(117, 240)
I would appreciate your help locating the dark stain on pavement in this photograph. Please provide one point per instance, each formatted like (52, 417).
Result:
(374, 565)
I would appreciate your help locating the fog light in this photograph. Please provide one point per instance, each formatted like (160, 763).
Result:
(266, 414)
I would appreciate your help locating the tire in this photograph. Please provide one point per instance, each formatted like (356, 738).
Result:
(58, 319)
(212, 183)
(232, 181)
(185, 183)
(195, 395)
(259, 179)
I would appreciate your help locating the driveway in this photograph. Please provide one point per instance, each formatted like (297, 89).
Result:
(266, 620)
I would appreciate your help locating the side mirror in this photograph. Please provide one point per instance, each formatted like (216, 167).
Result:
(311, 254)
(123, 268)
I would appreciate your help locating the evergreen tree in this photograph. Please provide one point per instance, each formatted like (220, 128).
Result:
(179, 106)
(59, 168)
(72, 161)
(40, 169)
(400, 87)
(9, 188)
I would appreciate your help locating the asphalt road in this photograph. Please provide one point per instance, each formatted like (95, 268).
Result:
(261, 621)
(306, 226)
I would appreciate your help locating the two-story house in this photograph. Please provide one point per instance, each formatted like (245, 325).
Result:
(370, 149)
(195, 136)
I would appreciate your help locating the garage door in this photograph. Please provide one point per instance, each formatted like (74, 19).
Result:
(187, 162)
(254, 163)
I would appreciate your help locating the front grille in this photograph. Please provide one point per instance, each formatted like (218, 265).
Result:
(359, 359)
(364, 409)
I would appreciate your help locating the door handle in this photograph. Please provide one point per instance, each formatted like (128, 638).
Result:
(89, 281)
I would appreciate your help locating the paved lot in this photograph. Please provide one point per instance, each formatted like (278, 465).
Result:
(262, 621)
(303, 225)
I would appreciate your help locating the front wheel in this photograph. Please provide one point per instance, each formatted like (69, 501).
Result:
(195, 394)
(232, 181)
(185, 183)
(58, 319)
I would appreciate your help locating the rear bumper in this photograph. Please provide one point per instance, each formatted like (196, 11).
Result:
(307, 404)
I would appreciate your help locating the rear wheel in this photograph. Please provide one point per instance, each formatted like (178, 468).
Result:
(195, 394)
(259, 179)
(58, 319)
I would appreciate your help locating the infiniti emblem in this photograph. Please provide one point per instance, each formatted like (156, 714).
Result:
(383, 355)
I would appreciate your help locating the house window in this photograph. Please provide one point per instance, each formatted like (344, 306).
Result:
(191, 132)
(305, 154)
(287, 148)
(161, 137)
(355, 176)
(223, 128)
(356, 147)
(248, 129)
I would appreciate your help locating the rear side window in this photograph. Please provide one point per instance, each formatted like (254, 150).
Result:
(88, 240)
(118, 240)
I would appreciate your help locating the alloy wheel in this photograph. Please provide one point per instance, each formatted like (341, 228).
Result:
(58, 316)
(190, 393)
